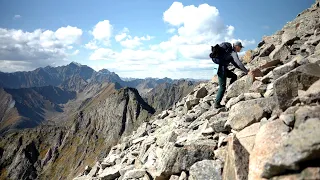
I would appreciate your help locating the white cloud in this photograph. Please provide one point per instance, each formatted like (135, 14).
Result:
(185, 54)
(91, 45)
(102, 31)
(38, 48)
(17, 16)
(133, 42)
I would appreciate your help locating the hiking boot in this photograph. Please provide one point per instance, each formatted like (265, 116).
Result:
(217, 106)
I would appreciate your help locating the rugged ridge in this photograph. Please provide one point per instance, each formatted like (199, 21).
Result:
(59, 152)
(269, 128)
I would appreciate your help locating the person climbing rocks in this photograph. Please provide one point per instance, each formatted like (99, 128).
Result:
(224, 54)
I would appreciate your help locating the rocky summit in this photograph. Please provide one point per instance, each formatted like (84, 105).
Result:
(269, 128)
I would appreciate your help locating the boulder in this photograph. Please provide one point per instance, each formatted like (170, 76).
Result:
(201, 93)
(247, 136)
(281, 70)
(191, 102)
(218, 121)
(312, 94)
(289, 36)
(286, 87)
(302, 145)
(267, 50)
(281, 53)
(110, 173)
(237, 160)
(164, 114)
(240, 86)
(248, 112)
(206, 170)
(134, 174)
(305, 112)
(267, 141)
(174, 159)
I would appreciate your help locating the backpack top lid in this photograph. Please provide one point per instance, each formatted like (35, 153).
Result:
(227, 47)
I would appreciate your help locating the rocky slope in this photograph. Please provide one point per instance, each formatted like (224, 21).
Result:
(165, 95)
(61, 151)
(269, 128)
(29, 107)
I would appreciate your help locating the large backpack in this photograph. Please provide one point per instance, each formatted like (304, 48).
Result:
(219, 52)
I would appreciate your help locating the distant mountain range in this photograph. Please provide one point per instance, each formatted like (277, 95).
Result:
(55, 93)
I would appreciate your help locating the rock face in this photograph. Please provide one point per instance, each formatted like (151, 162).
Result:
(269, 128)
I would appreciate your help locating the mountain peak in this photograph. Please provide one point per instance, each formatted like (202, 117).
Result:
(75, 63)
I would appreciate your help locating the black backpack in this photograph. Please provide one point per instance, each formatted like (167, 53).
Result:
(219, 52)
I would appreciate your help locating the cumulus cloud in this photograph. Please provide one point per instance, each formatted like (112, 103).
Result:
(101, 32)
(133, 42)
(193, 30)
(37, 48)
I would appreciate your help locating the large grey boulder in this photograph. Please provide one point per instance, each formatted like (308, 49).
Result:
(240, 86)
(246, 113)
(206, 170)
(302, 145)
(286, 87)
(281, 70)
(174, 159)
(289, 36)
(280, 53)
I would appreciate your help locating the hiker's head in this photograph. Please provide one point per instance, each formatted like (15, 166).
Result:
(237, 46)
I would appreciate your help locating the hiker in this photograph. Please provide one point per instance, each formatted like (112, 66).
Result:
(224, 55)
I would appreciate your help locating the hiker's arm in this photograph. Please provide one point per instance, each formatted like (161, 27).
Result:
(237, 63)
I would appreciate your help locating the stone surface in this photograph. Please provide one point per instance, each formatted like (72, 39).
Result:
(177, 159)
(281, 53)
(240, 86)
(304, 113)
(110, 173)
(247, 136)
(267, 50)
(135, 173)
(289, 36)
(237, 160)
(310, 173)
(218, 121)
(312, 94)
(206, 170)
(267, 141)
(302, 146)
(286, 87)
(201, 93)
(246, 113)
(281, 70)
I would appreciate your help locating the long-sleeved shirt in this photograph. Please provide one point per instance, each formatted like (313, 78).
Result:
(234, 59)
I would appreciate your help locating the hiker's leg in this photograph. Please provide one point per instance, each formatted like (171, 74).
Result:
(231, 75)
(222, 87)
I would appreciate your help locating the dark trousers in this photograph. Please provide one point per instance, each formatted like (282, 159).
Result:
(222, 76)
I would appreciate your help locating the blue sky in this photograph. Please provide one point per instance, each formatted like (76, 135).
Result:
(141, 38)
